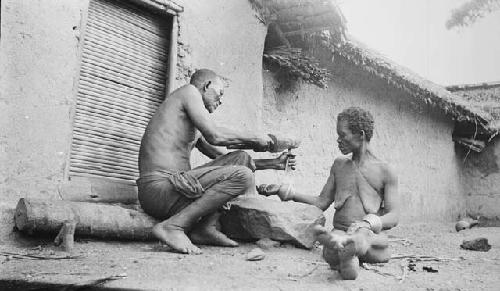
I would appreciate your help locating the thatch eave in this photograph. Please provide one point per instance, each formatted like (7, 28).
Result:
(418, 87)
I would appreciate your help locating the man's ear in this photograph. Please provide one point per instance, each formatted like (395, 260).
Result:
(207, 84)
(363, 134)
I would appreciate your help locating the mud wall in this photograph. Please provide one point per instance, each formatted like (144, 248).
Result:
(481, 181)
(414, 139)
(39, 62)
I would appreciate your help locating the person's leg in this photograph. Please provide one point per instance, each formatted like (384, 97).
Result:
(330, 245)
(378, 252)
(221, 184)
(206, 232)
(341, 250)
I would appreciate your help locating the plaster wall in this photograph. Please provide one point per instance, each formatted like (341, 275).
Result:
(39, 55)
(39, 58)
(415, 140)
(481, 181)
(225, 36)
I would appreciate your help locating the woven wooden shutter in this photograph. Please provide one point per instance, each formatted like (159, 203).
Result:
(122, 82)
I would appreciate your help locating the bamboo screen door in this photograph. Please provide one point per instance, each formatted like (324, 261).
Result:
(122, 81)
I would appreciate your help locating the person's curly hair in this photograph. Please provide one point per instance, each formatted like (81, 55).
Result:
(358, 120)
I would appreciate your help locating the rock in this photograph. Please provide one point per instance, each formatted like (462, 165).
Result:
(257, 217)
(256, 255)
(267, 243)
(465, 224)
(478, 244)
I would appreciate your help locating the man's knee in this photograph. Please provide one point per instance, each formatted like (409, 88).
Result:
(242, 158)
(240, 154)
(244, 176)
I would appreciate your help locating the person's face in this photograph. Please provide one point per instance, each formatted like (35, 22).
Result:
(347, 141)
(212, 95)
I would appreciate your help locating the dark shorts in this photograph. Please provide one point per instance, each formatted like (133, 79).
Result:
(230, 174)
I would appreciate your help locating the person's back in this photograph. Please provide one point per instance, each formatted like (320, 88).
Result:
(170, 135)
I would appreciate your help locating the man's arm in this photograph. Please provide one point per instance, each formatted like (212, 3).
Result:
(213, 134)
(391, 200)
(279, 163)
(209, 150)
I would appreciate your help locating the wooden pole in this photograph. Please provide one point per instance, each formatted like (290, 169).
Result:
(92, 220)
(172, 57)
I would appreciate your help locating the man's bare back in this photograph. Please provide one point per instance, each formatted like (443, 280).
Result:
(171, 135)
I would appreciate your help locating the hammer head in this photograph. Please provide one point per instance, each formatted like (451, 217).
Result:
(281, 143)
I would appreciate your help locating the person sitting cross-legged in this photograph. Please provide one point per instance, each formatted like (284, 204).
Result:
(364, 190)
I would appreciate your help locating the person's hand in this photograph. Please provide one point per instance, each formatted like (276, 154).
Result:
(268, 189)
(281, 161)
(284, 191)
(357, 225)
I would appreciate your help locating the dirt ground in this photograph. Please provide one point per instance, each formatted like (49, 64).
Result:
(147, 266)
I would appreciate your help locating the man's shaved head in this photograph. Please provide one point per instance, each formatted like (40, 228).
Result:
(202, 76)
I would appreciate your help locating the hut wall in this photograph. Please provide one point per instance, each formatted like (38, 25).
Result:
(414, 139)
(39, 68)
(481, 180)
(39, 57)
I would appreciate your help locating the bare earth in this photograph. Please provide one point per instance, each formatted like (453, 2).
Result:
(147, 266)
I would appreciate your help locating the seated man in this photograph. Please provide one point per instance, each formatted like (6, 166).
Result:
(187, 199)
(364, 190)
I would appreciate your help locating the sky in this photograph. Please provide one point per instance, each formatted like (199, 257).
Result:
(413, 34)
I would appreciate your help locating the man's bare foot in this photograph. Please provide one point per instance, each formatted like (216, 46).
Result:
(175, 238)
(211, 236)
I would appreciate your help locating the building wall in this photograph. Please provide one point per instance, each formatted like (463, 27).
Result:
(481, 180)
(414, 139)
(39, 62)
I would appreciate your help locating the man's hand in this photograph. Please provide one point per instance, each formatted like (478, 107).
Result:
(281, 161)
(263, 144)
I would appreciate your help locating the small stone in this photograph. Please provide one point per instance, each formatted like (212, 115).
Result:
(256, 255)
(478, 244)
(267, 243)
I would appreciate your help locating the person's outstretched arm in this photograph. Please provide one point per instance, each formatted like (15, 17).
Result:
(323, 201)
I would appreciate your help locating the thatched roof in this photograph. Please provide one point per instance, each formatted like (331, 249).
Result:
(484, 97)
(456, 106)
(300, 17)
(321, 23)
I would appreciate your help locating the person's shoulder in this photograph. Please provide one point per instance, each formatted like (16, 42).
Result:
(342, 159)
(387, 170)
(186, 91)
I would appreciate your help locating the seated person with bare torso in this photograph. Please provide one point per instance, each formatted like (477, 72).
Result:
(364, 190)
(186, 199)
